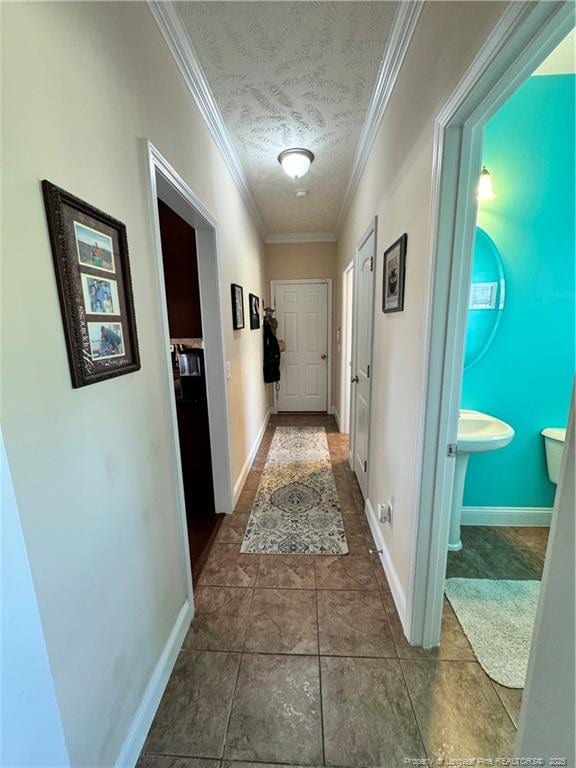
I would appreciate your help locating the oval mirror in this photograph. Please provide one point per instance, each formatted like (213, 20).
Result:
(486, 300)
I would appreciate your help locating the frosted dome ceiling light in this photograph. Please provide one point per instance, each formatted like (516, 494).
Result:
(295, 162)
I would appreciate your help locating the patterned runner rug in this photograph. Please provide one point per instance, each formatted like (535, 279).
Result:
(296, 509)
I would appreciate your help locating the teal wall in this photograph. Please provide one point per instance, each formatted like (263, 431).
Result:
(526, 376)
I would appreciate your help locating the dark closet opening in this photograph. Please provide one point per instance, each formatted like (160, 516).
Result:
(182, 286)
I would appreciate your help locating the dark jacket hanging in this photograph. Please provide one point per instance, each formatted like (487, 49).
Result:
(271, 355)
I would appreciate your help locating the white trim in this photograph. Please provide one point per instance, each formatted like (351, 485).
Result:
(239, 484)
(301, 237)
(517, 516)
(524, 35)
(393, 580)
(397, 46)
(337, 418)
(331, 410)
(178, 41)
(306, 281)
(165, 183)
(345, 341)
(142, 720)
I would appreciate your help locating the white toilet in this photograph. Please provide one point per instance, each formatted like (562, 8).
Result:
(554, 438)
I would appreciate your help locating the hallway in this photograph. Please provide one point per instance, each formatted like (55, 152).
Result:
(302, 660)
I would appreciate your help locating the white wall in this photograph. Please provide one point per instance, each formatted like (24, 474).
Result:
(396, 186)
(83, 83)
(30, 728)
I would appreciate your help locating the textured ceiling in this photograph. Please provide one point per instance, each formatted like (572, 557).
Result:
(287, 74)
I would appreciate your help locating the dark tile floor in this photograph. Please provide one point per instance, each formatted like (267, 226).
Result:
(301, 660)
(489, 552)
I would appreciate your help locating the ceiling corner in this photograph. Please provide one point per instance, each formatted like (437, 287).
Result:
(301, 237)
(168, 20)
(405, 22)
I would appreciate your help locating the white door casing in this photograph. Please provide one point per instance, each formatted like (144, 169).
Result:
(346, 347)
(362, 354)
(303, 322)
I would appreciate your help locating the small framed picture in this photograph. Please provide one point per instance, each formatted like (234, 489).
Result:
(394, 274)
(237, 307)
(254, 305)
(90, 253)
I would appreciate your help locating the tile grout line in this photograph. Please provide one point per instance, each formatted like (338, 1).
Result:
(322, 735)
(413, 709)
(500, 699)
(229, 718)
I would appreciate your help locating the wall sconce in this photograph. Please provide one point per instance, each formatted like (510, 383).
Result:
(485, 189)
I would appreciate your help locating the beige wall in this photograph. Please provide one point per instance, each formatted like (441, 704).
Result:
(396, 186)
(299, 261)
(296, 261)
(83, 84)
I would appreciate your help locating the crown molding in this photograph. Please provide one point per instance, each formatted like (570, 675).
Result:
(403, 27)
(174, 33)
(301, 237)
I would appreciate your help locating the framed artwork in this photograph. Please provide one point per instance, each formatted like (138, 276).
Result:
(394, 274)
(237, 307)
(254, 305)
(90, 252)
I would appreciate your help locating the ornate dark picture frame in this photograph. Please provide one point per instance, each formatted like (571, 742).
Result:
(90, 252)
(394, 274)
(237, 306)
(254, 309)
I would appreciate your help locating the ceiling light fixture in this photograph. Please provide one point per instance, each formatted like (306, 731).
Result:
(295, 162)
(301, 192)
(485, 189)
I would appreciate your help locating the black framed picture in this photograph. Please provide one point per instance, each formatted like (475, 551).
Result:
(394, 274)
(237, 307)
(254, 306)
(90, 252)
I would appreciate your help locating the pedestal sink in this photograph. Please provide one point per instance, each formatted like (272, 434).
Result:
(477, 432)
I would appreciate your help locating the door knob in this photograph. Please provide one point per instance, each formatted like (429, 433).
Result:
(354, 379)
(323, 357)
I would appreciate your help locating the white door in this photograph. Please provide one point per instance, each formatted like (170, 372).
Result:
(362, 358)
(302, 313)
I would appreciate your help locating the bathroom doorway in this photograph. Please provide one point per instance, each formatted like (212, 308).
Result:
(505, 537)
(518, 371)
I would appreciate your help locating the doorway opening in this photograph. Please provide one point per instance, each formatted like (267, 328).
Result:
(346, 348)
(188, 295)
(182, 287)
(304, 313)
(517, 373)
(478, 349)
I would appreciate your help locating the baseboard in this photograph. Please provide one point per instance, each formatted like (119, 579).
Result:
(146, 711)
(239, 484)
(337, 417)
(395, 587)
(332, 410)
(517, 516)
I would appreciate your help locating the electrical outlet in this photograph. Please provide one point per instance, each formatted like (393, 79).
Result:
(385, 512)
(389, 512)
